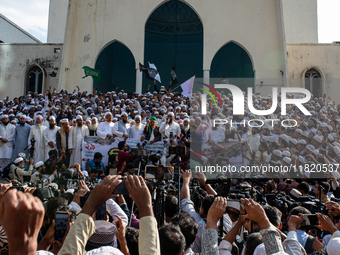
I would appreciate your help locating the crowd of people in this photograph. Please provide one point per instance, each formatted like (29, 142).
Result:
(41, 139)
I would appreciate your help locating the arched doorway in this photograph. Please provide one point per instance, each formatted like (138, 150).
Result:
(313, 82)
(34, 79)
(174, 34)
(233, 63)
(118, 69)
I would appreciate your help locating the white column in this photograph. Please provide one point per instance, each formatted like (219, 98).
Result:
(206, 76)
(139, 78)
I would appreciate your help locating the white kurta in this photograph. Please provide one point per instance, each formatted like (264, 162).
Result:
(76, 156)
(136, 134)
(8, 132)
(105, 128)
(50, 135)
(165, 129)
(38, 133)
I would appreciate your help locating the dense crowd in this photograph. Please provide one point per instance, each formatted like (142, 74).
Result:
(184, 211)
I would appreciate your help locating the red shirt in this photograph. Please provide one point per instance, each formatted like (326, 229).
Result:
(122, 157)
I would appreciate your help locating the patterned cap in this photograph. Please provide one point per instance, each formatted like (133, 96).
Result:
(103, 235)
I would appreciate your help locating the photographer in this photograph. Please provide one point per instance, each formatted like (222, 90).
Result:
(18, 171)
(40, 172)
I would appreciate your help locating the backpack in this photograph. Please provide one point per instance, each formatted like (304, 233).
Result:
(5, 170)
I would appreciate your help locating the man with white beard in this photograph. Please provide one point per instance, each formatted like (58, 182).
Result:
(93, 127)
(170, 126)
(7, 133)
(105, 129)
(121, 127)
(50, 136)
(80, 131)
(137, 130)
(186, 128)
(37, 132)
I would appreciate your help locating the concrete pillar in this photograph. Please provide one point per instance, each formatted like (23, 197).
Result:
(139, 78)
(206, 76)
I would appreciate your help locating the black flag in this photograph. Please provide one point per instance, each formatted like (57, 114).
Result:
(150, 73)
(174, 80)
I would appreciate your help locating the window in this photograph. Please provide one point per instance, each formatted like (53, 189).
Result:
(34, 79)
(313, 82)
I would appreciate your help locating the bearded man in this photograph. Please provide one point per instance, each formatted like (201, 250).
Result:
(105, 128)
(185, 130)
(93, 127)
(151, 131)
(50, 136)
(80, 131)
(22, 132)
(170, 126)
(137, 131)
(37, 132)
(121, 127)
(65, 141)
(7, 133)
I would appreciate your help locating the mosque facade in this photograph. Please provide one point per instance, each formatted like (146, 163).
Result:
(260, 44)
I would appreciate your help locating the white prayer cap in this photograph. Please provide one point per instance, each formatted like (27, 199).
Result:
(108, 113)
(298, 130)
(301, 142)
(317, 138)
(17, 160)
(38, 116)
(88, 108)
(156, 112)
(4, 116)
(286, 154)
(28, 119)
(138, 116)
(277, 153)
(171, 113)
(79, 117)
(310, 147)
(199, 118)
(287, 160)
(38, 164)
(94, 118)
(23, 116)
(114, 118)
(124, 113)
(333, 246)
(64, 121)
(52, 118)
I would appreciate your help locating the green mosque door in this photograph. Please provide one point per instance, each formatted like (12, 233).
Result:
(233, 63)
(174, 34)
(118, 69)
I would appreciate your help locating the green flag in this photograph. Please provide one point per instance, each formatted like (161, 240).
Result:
(91, 72)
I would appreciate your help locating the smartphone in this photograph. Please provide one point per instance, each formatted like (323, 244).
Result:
(121, 189)
(310, 220)
(101, 212)
(62, 219)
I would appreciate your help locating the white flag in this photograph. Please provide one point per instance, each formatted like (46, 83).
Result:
(157, 77)
(187, 87)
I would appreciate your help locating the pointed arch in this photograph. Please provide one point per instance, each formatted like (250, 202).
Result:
(174, 35)
(313, 80)
(234, 62)
(34, 78)
(117, 64)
